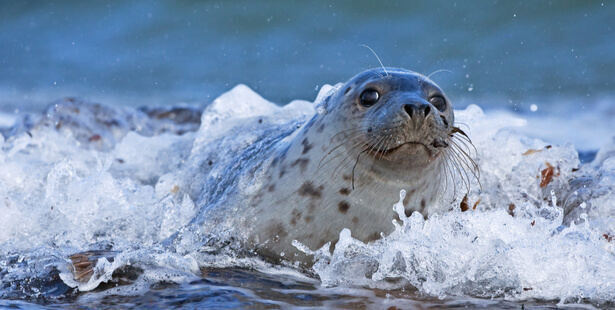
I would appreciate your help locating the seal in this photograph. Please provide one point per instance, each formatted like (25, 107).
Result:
(383, 131)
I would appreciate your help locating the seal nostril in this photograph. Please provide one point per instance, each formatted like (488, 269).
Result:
(427, 110)
(409, 109)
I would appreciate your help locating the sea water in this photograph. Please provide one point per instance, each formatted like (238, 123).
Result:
(85, 176)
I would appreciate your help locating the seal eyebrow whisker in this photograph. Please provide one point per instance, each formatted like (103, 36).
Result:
(383, 68)
(438, 71)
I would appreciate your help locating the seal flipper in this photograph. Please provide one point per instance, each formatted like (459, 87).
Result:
(83, 263)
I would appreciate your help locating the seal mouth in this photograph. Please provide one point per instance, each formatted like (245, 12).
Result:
(436, 144)
(388, 151)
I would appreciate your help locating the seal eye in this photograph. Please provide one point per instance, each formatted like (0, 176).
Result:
(369, 98)
(438, 102)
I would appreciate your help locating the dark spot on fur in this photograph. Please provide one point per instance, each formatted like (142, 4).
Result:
(282, 171)
(210, 162)
(306, 146)
(296, 214)
(257, 199)
(274, 162)
(345, 191)
(343, 206)
(346, 177)
(311, 208)
(277, 231)
(320, 128)
(422, 205)
(308, 189)
(271, 188)
(369, 129)
(373, 237)
(308, 218)
(355, 220)
(260, 120)
(347, 90)
(302, 162)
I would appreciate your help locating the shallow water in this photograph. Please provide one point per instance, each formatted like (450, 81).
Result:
(77, 176)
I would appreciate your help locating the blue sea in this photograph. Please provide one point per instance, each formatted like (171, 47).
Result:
(106, 108)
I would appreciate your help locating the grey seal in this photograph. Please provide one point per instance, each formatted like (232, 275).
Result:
(384, 130)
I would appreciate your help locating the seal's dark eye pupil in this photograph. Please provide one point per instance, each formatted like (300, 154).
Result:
(369, 97)
(438, 102)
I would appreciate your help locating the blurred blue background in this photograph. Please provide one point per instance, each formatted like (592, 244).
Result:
(505, 54)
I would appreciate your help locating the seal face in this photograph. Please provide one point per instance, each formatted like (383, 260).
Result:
(383, 131)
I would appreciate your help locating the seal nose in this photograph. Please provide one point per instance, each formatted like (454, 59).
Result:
(417, 109)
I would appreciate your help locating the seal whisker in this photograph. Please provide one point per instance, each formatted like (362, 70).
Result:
(442, 174)
(438, 71)
(383, 68)
(471, 166)
(351, 137)
(459, 169)
(336, 171)
(386, 145)
(470, 163)
(449, 172)
(367, 149)
(461, 165)
(349, 131)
